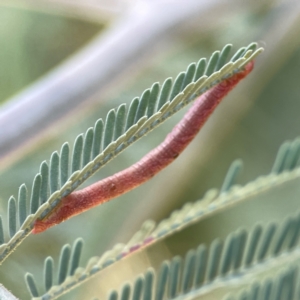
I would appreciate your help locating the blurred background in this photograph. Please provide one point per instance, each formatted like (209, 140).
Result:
(64, 64)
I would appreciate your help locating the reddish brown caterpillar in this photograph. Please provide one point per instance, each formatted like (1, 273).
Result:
(157, 159)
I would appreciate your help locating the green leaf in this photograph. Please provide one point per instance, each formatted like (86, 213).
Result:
(12, 216)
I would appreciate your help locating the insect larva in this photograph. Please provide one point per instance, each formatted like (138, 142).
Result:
(157, 159)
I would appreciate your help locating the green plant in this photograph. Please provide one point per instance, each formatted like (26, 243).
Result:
(55, 180)
(106, 140)
(245, 254)
(250, 124)
(88, 158)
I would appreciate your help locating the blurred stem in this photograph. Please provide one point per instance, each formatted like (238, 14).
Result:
(88, 73)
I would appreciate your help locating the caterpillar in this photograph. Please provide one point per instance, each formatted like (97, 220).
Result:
(152, 163)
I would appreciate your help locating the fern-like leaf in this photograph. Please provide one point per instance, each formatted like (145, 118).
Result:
(240, 250)
(107, 139)
(179, 279)
(68, 263)
(284, 286)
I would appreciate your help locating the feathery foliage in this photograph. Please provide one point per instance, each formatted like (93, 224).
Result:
(231, 263)
(241, 250)
(92, 150)
(284, 286)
